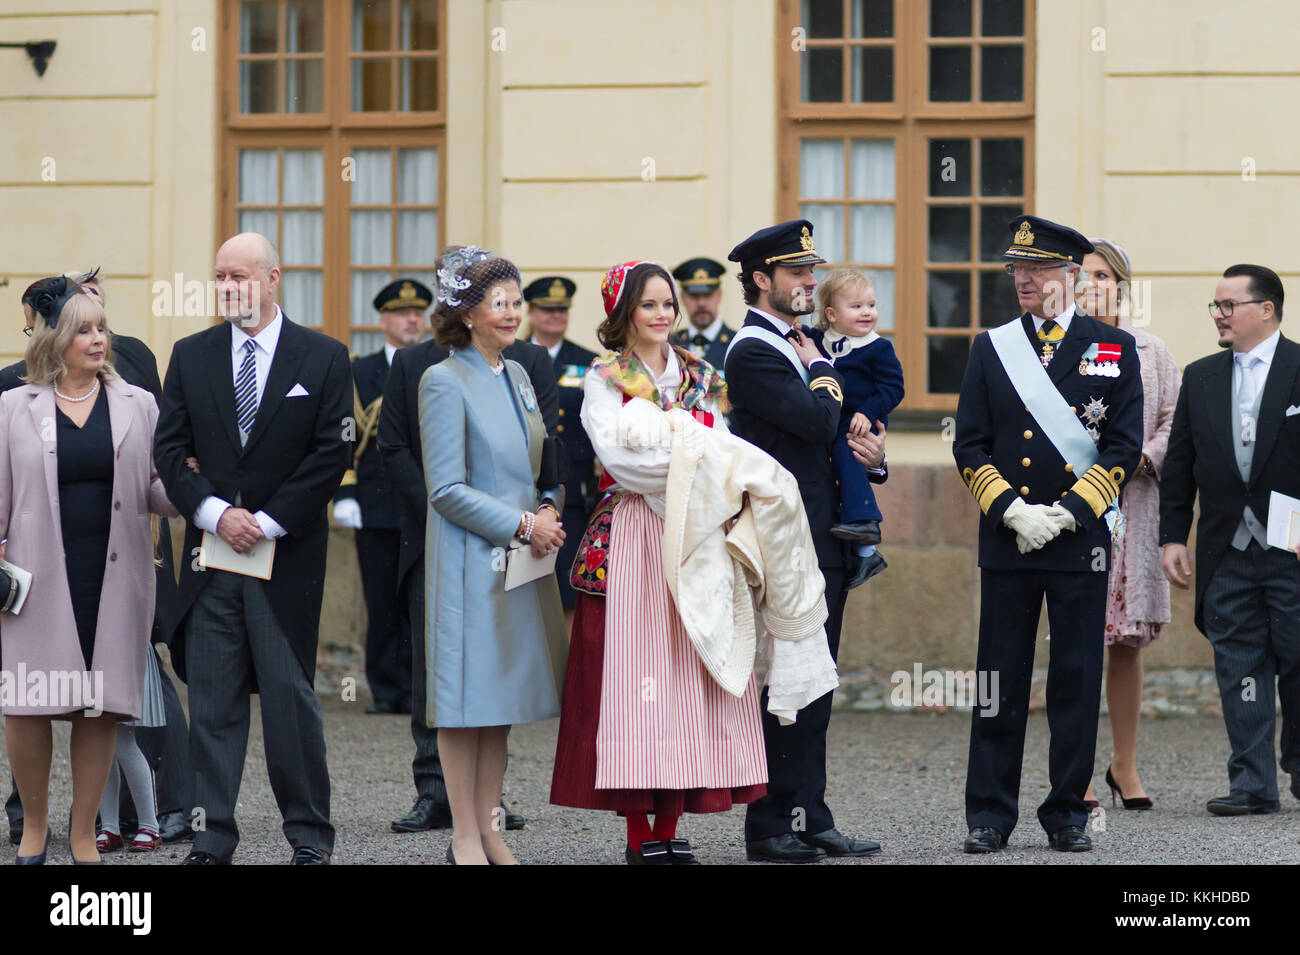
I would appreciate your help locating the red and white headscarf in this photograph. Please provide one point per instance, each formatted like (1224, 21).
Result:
(611, 287)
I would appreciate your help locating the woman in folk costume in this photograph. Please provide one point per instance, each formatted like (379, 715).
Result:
(644, 728)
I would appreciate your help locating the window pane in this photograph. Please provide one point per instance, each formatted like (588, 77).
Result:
(366, 343)
(823, 76)
(362, 288)
(949, 234)
(304, 177)
(950, 167)
(258, 182)
(304, 26)
(1002, 74)
(828, 229)
(1002, 167)
(872, 18)
(372, 25)
(304, 86)
(1003, 18)
(303, 296)
(258, 220)
(995, 234)
(871, 170)
(371, 86)
(873, 74)
(882, 280)
(372, 238)
(257, 27)
(998, 301)
(417, 237)
(950, 74)
(950, 17)
(823, 18)
(417, 25)
(417, 176)
(821, 168)
(302, 242)
(872, 234)
(374, 182)
(947, 363)
(948, 299)
(418, 85)
(257, 87)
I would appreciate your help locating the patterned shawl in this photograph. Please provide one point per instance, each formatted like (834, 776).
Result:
(700, 380)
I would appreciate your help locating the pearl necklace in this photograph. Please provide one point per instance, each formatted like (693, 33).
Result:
(499, 367)
(88, 394)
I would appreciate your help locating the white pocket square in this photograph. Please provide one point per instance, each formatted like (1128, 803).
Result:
(1294, 409)
(297, 391)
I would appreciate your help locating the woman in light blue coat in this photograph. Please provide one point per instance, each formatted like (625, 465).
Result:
(494, 657)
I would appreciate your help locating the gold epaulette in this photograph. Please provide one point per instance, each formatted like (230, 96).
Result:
(985, 485)
(1099, 487)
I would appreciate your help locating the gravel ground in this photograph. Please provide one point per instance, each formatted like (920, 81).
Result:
(894, 778)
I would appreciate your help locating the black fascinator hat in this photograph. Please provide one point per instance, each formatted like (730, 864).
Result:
(48, 300)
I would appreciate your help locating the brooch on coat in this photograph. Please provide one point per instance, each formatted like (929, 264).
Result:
(526, 393)
(1101, 359)
(1094, 413)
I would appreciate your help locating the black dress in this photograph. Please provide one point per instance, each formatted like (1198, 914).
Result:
(85, 511)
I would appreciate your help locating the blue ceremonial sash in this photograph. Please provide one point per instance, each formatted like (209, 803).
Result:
(776, 341)
(1038, 392)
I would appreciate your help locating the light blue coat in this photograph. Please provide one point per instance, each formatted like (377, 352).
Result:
(493, 658)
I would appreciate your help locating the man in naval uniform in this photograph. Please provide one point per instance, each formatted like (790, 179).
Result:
(549, 299)
(786, 398)
(366, 501)
(1049, 428)
(700, 281)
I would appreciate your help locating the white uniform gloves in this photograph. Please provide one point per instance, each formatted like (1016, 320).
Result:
(347, 512)
(1036, 524)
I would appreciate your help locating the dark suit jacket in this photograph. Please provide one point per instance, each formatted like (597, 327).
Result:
(794, 422)
(991, 448)
(716, 353)
(290, 468)
(373, 489)
(135, 364)
(581, 457)
(1201, 457)
(399, 432)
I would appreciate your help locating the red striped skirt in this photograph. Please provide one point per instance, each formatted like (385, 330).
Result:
(644, 727)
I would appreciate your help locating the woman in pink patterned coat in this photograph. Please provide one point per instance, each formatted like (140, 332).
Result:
(1138, 603)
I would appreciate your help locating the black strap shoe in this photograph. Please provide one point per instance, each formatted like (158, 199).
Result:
(203, 858)
(513, 822)
(1069, 839)
(837, 845)
(381, 707)
(650, 853)
(427, 813)
(783, 848)
(309, 855)
(680, 852)
(983, 839)
(1242, 804)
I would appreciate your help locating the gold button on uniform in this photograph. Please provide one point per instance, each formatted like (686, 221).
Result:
(561, 412)
(1024, 462)
(1024, 492)
(1029, 434)
(559, 428)
(1073, 410)
(1069, 468)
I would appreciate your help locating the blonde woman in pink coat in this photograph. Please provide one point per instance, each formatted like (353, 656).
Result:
(1137, 607)
(77, 486)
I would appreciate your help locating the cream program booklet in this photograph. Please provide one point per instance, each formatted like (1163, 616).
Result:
(216, 554)
(522, 566)
(1283, 521)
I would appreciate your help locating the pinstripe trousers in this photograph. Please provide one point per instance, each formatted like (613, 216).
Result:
(1252, 620)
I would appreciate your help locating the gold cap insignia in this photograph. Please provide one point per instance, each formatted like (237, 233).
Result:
(701, 276)
(805, 240)
(1024, 236)
(557, 290)
(406, 292)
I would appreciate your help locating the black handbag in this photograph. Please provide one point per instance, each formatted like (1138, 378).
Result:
(554, 470)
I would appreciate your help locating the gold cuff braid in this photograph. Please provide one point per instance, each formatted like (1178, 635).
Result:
(985, 484)
(1097, 488)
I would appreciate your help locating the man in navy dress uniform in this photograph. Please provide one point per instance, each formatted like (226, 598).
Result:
(367, 502)
(1049, 428)
(549, 300)
(786, 398)
(700, 280)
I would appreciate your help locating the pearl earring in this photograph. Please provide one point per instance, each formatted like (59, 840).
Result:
(469, 325)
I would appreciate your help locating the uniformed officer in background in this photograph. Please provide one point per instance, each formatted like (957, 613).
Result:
(700, 280)
(549, 299)
(366, 501)
(1049, 428)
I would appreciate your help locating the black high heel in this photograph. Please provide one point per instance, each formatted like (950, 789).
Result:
(36, 859)
(1140, 802)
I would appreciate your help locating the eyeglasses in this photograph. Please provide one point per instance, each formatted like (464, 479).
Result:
(1226, 307)
(1013, 269)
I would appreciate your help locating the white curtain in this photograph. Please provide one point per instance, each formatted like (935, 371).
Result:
(821, 168)
(871, 168)
(302, 296)
(417, 176)
(828, 229)
(304, 177)
(258, 183)
(374, 182)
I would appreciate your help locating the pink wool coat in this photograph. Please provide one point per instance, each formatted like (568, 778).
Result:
(43, 636)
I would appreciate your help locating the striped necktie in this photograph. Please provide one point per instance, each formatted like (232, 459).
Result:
(246, 392)
(1049, 336)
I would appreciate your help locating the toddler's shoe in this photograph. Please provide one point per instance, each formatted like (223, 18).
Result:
(864, 532)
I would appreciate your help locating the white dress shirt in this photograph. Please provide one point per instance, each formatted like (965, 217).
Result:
(553, 350)
(1063, 320)
(212, 507)
(389, 352)
(782, 327)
